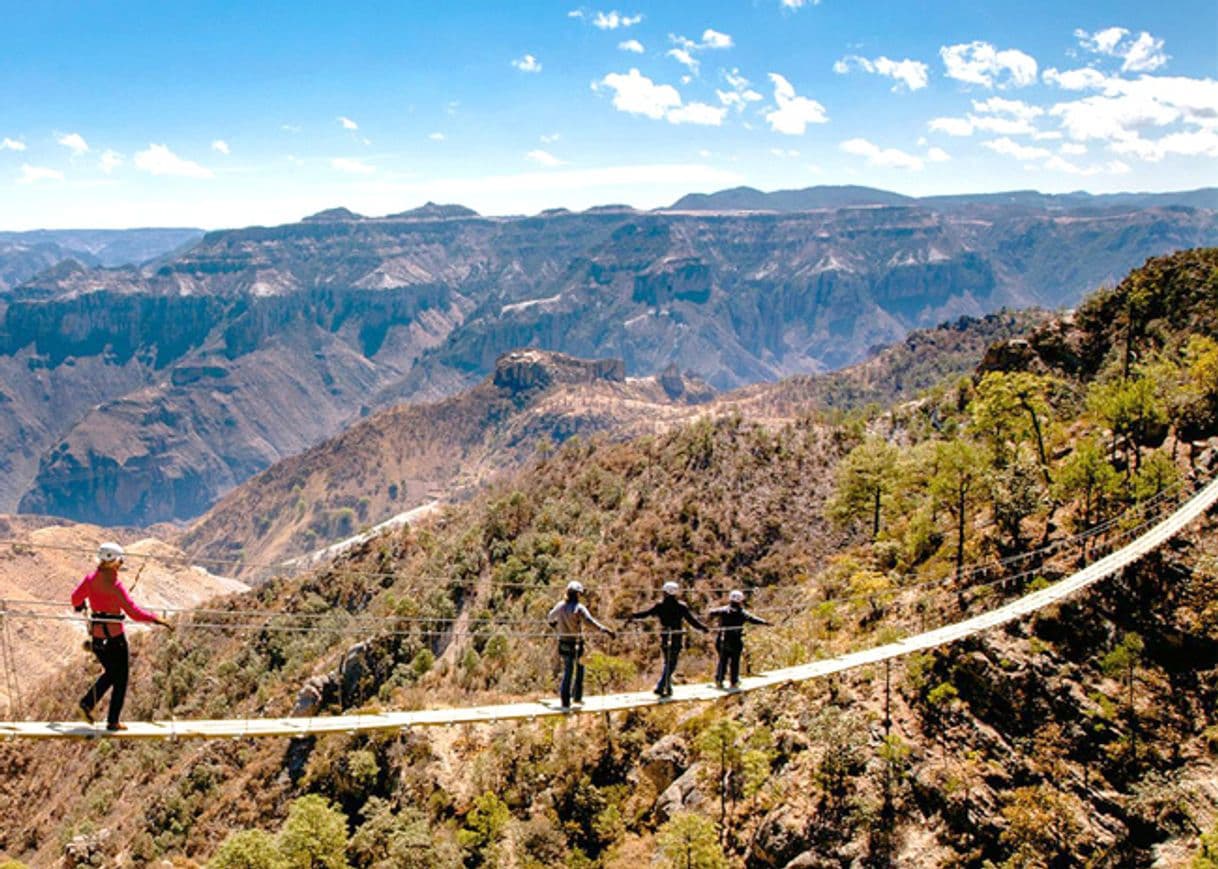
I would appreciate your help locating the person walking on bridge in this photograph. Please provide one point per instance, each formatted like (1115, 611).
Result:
(109, 603)
(673, 613)
(569, 617)
(729, 636)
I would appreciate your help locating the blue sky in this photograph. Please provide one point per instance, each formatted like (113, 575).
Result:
(230, 114)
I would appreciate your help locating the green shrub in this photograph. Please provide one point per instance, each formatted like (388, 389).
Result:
(314, 836)
(247, 849)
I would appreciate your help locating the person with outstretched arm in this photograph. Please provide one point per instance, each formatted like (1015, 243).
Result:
(569, 617)
(729, 637)
(673, 613)
(109, 603)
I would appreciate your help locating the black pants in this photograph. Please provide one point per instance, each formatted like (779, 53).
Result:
(729, 659)
(670, 653)
(112, 653)
(572, 686)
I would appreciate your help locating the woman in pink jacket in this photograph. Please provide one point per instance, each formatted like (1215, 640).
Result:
(109, 604)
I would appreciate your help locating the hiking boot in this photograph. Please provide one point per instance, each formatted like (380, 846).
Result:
(85, 711)
(116, 725)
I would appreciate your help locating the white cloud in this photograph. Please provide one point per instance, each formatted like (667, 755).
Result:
(352, 166)
(1191, 143)
(889, 158)
(34, 174)
(909, 75)
(291, 128)
(613, 20)
(1143, 54)
(704, 154)
(740, 95)
(938, 155)
(159, 160)
(1013, 108)
(638, 95)
(347, 123)
(1076, 79)
(436, 136)
(548, 139)
(1011, 148)
(1128, 109)
(1057, 163)
(789, 153)
(544, 158)
(799, 4)
(528, 63)
(981, 64)
(576, 13)
(793, 113)
(952, 126)
(1102, 41)
(8, 144)
(74, 142)
(683, 57)
(696, 113)
(1074, 149)
(631, 45)
(715, 39)
(221, 146)
(110, 160)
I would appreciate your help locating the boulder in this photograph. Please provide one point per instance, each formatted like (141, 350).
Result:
(664, 761)
(682, 795)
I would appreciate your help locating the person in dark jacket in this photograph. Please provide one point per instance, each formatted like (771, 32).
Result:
(569, 617)
(673, 613)
(729, 636)
(103, 594)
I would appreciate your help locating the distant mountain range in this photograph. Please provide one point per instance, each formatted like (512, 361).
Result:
(852, 196)
(25, 254)
(136, 394)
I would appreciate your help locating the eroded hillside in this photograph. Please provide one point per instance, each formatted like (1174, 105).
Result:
(1085, 734)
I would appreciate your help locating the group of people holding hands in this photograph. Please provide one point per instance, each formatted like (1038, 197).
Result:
(569, 616)
(108, 603)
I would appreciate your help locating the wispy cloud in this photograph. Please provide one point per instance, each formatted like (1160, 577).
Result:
(527, 63)
(74, 142)
(7, 144)
(291, 128)
(715, 39)
(937, 155)
(703, 114)
(110, 160)
(550, 138)
(544, 158)
(352, 166)
(1011, 148)
(909, 75)
(799, 4)
(685, 50)
(436, 136)
(631, 45)
(34, 174)
(221, 146)
(889, 158)
(613, 20)
(159, 160)
(792, 113)
(980, 63)
(740, 95)
(1141, 54)
(347, 123)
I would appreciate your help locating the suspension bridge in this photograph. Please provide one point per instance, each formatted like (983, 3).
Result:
(1152, 537)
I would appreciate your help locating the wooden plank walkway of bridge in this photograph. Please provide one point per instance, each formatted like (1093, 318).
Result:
(529, 710)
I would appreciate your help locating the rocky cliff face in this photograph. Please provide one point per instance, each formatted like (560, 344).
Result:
(256, 343)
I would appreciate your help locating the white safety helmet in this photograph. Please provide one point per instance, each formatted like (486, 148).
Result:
(109, 552)
(575, 586)
(671, 587)
(736, 596)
